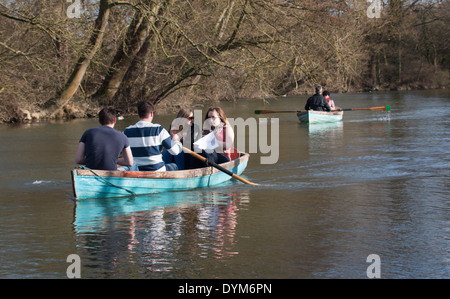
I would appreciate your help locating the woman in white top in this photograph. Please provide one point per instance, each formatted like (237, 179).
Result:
(216, 120)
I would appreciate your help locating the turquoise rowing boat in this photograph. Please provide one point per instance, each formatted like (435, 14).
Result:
(88, 183)
(314, 117)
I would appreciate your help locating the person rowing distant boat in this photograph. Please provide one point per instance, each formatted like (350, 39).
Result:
(317, 102)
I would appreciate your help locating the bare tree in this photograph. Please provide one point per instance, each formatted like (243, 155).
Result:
(54, 105)
(145, 18)
(169, 50)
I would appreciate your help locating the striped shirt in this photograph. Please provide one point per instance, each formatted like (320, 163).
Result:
(146, 141)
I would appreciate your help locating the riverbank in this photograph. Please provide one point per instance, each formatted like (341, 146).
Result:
(83, 108)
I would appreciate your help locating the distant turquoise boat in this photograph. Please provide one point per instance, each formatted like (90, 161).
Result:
(314, 117)
(88, 183)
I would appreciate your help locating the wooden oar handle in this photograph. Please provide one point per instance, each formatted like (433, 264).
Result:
(200, 157)
(274, 111)
(382, 108)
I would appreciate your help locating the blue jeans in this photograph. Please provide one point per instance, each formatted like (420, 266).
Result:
(170, 159)
(171, 167)
(134, 167)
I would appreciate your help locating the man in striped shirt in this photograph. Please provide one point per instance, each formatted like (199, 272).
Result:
(147, 139)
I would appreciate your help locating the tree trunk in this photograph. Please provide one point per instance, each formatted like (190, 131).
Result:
(135, 38)
(373, 67)
(54, 106)
(400, 79)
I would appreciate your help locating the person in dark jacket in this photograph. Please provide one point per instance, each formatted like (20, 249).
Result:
(317, 102)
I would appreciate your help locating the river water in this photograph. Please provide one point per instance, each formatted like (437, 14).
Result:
(377, 183)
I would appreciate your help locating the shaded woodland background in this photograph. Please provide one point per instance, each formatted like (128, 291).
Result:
(183, 52)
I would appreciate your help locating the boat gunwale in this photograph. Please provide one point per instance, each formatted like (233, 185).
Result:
(321, 112)
(177, 174)
(315, 117)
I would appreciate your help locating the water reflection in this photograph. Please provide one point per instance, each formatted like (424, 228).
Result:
(158, 231)
(326, 128)
(325, 137)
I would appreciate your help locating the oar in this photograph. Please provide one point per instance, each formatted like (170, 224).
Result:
(186, 150)
(382, 108)
(276, 111)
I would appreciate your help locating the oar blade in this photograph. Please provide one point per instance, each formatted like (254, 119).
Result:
(384, 108)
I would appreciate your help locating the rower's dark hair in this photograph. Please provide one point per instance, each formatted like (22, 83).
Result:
(184, 113)
(326, 93)
(145, 107)
(107, 115)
